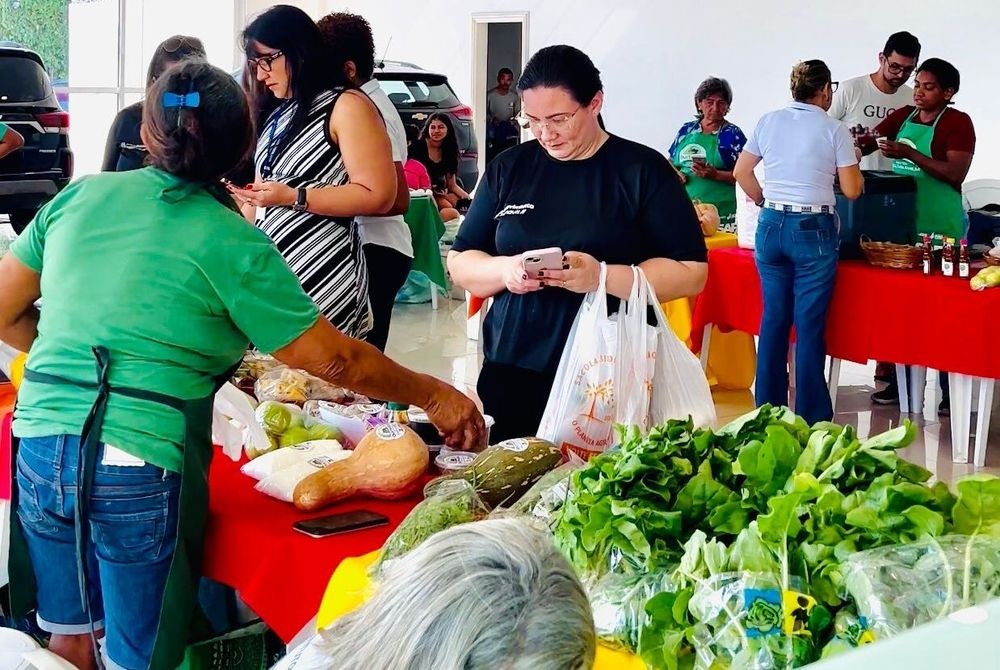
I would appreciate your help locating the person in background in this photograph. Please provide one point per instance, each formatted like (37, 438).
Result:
(153, 275)
(502, 107)
(803, 150)
(437, 149)
(933, 143)
(417, 177)
(863, 102)
(10, 140)
(388, 247)
(479, 596)
(705, 151)
(124, 149)
(323, 158)
(867, 100)
(596, 196)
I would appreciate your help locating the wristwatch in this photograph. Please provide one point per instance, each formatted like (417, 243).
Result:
(300, 201)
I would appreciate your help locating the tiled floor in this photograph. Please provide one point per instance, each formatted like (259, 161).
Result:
(435, 342)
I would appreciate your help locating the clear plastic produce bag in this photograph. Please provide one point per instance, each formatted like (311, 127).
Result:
(901, 587)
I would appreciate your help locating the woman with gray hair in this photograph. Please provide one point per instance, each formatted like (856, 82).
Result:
(480, 596)
(705, 151)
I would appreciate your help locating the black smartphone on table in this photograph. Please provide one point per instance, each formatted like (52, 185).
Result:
(345, 522)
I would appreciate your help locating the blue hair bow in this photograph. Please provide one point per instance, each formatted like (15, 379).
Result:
(189, 100)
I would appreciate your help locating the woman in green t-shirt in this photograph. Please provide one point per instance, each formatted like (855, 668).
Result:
(152, 276)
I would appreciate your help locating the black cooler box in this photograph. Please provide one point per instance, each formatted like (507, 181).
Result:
(885, 212)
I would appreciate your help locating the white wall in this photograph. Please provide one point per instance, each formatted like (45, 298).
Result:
(652, 54)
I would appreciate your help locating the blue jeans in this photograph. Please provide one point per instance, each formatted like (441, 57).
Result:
(797, 261)
(133, 529)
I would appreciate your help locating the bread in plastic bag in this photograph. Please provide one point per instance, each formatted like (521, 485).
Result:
(283, 385)
(449, 502)
(281, 484)
(279, 459)
(900, 587)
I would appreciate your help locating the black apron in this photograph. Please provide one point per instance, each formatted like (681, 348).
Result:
(180, 617)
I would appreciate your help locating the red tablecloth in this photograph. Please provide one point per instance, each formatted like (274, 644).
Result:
(876, 314)
(280, 573)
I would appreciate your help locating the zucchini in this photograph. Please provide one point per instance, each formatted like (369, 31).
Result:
(504, 472)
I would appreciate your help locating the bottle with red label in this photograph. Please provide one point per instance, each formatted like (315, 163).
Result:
(928, 255)
(948, 258)
(963, 260)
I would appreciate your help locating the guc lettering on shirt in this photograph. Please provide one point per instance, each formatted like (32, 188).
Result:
(878, 111)
(514, 210)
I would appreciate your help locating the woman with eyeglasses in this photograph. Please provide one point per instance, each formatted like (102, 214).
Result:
(323, 158)
(705, 151)
(124, 149)
(437, 148)
(803, 151)
(598, 198)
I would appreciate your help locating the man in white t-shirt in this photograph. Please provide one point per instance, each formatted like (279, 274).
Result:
(388, 245)
(867, 100)
(503, 104)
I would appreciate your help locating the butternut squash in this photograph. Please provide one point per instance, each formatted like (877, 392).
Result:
(387, 463)
(708, 217)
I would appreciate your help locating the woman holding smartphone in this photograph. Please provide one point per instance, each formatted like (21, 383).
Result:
(594, 196)
(323, 158)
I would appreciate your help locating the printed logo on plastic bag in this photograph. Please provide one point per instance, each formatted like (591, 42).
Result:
(763, 612)
(390, 431)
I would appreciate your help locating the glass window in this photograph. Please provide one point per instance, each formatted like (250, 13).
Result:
(24, 80)
(90, 122)
(93, 44)
(149, 22)
(427, 91)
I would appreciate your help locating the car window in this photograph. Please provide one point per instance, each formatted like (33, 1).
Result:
(406, 93)
(23, 80)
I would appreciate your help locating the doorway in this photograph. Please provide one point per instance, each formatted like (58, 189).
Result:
(499, 41)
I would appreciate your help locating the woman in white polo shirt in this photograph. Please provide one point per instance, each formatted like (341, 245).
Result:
(803, 150)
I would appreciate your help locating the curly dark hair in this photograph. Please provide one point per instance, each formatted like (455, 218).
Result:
(197, 143)
(713, 86)
(349, 38)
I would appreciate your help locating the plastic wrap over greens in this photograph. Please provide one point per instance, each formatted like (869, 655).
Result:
(898, 588)
(448, 503)
(748, 621)
(619, 605)
(544, 499)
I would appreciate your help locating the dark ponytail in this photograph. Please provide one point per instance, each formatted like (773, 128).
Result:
(203, 138)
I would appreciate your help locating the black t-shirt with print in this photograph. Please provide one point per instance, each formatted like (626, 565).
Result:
(624, 205)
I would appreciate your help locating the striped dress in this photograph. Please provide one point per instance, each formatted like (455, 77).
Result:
(323, 252)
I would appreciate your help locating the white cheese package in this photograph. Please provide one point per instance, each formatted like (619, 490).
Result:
(275, 461)
(281, 485)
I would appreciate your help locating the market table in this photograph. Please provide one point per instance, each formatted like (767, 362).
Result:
(879, 314)
(280, 573)
(426, 229)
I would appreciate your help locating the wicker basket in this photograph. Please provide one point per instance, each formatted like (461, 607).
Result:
(892, 256)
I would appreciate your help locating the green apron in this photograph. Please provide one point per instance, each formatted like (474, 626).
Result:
(939, 205)
(705, 146)
(180, 617)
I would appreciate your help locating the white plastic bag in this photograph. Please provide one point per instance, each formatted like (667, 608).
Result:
(281, 484)
(620, 369)
(264, 466)
(234, 425)
(747, 213)
(676, 382)
(580, 413)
